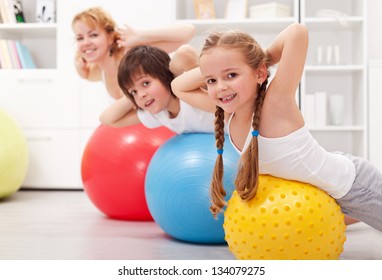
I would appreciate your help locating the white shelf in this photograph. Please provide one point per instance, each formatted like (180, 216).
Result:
(349, 78)
(29, 30)
(264, 25)
(337, 128)
(334, 68)
(333, 24)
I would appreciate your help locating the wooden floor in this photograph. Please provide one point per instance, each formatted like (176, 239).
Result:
(65, 225)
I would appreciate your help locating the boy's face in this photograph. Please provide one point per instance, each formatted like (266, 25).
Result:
(149, 93)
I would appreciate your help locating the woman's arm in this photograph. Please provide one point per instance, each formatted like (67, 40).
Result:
(167, 38)
(191, 88)
(119, 114)
(288, 50)
(184, 59)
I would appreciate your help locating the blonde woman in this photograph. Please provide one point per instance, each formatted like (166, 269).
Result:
(101, 45)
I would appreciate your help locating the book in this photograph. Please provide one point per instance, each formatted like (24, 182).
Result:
(13, 54)
(10, 11)
(25, 56)
(3, 12)
(5, 56)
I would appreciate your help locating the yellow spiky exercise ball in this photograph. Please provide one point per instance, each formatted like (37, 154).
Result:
(13, 156)
(286, 220)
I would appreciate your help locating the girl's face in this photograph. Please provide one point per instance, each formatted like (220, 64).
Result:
(92, 43)
(231, 82)
(149, 93)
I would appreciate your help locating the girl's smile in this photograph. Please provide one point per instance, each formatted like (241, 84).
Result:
(231, 83)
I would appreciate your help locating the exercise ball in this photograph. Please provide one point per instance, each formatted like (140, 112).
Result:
(285, 220)
(178, 183)
(13, 156)
(113, 169)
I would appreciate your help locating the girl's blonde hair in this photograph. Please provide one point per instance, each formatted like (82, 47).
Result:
(248, 173)
(98, 17)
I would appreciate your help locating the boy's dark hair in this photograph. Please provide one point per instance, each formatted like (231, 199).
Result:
(148, 60)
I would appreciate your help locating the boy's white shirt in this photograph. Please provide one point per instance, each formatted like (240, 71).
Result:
(189, 120)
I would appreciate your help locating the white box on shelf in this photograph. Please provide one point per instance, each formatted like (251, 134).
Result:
(309, 110)
(320, 98)
(270, 10)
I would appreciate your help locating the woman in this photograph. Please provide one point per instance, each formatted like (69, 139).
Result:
(101, 45)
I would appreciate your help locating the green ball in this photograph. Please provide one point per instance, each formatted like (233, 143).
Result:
(13, 156)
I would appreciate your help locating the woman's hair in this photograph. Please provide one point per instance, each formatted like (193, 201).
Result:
(148, 60)
(248, 173)
(98, 17)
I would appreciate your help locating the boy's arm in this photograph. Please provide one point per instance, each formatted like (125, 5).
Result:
(168, 38)
(119, 114)
(191, 88)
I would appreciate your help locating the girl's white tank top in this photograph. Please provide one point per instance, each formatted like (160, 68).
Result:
(298, 156)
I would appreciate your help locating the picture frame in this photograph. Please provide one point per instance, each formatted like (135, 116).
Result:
(204, 9)
(236, 9)
(46, 11)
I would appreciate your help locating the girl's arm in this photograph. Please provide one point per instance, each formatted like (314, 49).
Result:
(85, 70)
(167, 38)
(289, 51)
(191, 88)
(119, 114)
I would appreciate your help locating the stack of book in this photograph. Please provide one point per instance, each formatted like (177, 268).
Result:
(11, 11)
(15, 55)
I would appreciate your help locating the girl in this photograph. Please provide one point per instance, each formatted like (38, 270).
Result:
(145, 78)
(266, 126)
(100, 45)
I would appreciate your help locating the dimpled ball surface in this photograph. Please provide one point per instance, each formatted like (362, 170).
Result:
(285, 220)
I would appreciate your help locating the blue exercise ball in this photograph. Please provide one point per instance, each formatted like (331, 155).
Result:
(177, 187)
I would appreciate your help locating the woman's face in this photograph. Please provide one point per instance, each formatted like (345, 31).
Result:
(231, 82)
(92, 43)
(149, 93)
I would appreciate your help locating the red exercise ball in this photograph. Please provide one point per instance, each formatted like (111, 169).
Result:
(113, 169)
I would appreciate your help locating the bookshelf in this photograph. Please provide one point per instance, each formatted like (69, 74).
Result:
(340, 23)
(33, 35)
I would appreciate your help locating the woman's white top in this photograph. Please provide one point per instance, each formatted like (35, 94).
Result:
(110, 99)
(299, 157)
(188, 120)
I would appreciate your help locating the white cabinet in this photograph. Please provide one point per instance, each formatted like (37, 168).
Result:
(35, 98)
(335, 67)
(54, 158)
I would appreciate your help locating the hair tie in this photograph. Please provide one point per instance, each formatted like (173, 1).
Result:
(220, 151)
(255, 133)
